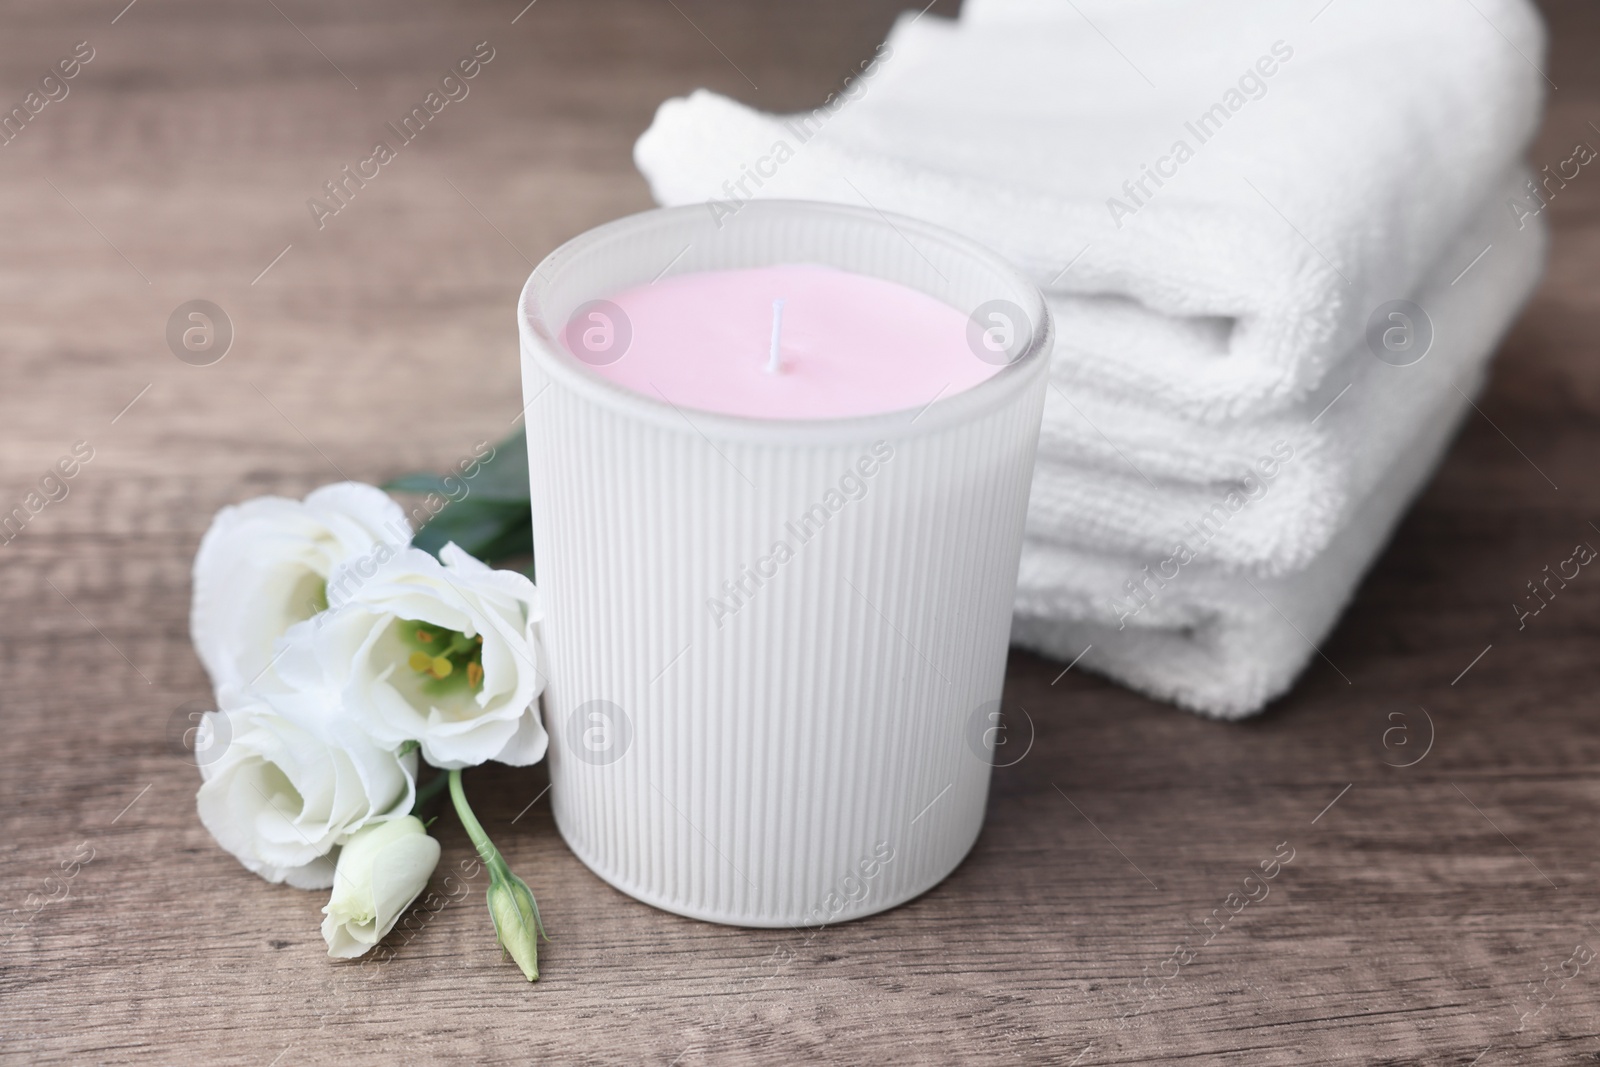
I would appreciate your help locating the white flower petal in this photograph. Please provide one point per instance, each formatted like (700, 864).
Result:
(263, 565)
(381, 871)
(295, 780)
(527, 746)
(357, 648)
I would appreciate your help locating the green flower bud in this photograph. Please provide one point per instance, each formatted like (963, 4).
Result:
(516, 920)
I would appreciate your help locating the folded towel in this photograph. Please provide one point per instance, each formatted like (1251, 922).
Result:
(1117, 477)
(1222, 642)
(1218, 194)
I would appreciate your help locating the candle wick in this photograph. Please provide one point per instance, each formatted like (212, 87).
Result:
(774, 361)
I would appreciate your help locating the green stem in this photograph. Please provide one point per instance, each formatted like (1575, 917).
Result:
(426, 793)
(475, 830)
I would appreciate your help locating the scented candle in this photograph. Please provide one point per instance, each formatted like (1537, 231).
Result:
(779, 468)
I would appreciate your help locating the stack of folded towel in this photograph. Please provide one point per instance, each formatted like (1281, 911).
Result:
(1235, 210)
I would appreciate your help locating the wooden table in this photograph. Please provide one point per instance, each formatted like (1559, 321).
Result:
(1421, 904)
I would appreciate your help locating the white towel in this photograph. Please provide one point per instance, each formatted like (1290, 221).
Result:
(1116, 477)
(1223, 642)
(1305, 196)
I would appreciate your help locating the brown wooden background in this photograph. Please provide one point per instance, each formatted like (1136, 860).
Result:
(1418, 910)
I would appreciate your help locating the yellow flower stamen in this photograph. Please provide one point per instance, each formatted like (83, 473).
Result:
(442, 667)
(425, 637)
(420, 662)
(474, 675)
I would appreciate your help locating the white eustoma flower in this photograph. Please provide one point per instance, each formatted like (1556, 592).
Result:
(292, 779)
(381, 870)
(264, 564)
(443, 653)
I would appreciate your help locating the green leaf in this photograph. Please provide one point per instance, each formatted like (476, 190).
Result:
(514, 540)
(479, 528)
(505, 477)
(418, 483)
(487, 514)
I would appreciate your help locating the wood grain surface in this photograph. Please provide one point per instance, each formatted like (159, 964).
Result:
(1432, 913)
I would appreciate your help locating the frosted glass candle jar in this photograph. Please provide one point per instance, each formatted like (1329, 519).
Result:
(740, 733)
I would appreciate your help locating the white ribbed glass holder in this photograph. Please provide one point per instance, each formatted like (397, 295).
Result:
(821, 751)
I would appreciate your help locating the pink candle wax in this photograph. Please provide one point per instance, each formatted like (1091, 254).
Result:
(844, 344)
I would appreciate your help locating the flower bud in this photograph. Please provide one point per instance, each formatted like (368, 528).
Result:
(382, 869)
(516, 921)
